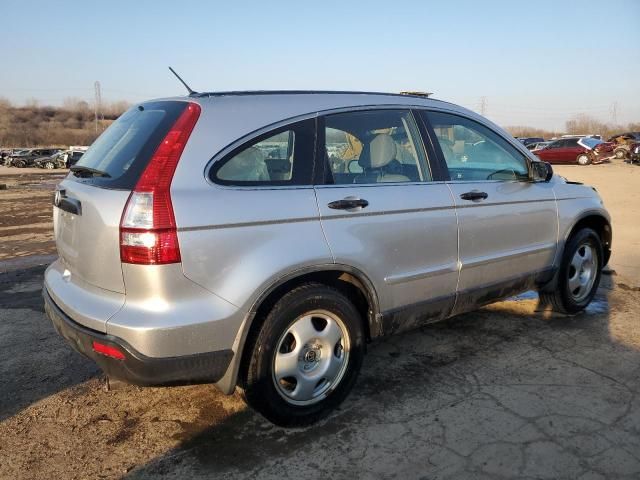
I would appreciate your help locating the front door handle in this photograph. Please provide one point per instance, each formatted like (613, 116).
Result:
(348, 203)
(474, 195)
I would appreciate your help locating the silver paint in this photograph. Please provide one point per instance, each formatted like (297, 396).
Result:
(413, 243)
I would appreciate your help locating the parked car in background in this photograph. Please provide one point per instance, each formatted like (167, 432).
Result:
(634, 153)
(526, 141)
(5, 154)
(599, 149)
(28, 158)
(537, 145)
(623, 143)
(64, 159)
(572, 150)
(73, 156)
(188, 255)
(15, 153)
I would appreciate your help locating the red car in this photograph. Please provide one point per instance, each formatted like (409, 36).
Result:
(584, 150)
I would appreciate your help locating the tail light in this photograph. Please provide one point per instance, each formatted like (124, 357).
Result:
(148, 234)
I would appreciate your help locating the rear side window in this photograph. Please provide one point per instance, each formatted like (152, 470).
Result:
(125, 148)
(375, 146)
(280, 157)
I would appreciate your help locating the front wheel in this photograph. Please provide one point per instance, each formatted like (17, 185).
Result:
(306, 357)
(49, 165)
(584, 159)
(620, 153)
(579, 274)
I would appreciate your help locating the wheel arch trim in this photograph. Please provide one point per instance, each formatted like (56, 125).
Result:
(230, 379)
(584, 215)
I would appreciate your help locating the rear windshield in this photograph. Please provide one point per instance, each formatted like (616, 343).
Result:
(124, 149)
(589, 142)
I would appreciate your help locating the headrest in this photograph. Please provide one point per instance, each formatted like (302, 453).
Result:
(382, 150)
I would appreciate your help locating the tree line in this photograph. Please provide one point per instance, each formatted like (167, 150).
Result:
(73, 123)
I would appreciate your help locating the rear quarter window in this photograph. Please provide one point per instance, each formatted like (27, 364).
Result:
(282, 157)
(125, 148)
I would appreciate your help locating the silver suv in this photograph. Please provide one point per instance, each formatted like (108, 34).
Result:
(261, 239)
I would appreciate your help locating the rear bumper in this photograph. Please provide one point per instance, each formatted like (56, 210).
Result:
(137, 368)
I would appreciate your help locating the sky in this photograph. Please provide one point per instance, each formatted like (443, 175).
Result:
(535, 63)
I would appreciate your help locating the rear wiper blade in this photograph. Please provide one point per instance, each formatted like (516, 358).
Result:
(91, 171)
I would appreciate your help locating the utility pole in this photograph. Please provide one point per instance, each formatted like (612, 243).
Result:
(483, 106)
(614, 113)
(97, 102)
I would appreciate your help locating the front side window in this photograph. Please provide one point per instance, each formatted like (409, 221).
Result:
(281, 157)
(378, 146)
(473, 152)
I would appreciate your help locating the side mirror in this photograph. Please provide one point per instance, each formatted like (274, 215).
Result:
(542, 171)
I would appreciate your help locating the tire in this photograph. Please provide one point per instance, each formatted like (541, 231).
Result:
(317, 315)
(583, 159)
(49, 165)
(19, 164)
(620, 153)
(575, 291)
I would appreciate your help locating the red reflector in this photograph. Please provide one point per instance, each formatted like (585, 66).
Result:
(108, 350)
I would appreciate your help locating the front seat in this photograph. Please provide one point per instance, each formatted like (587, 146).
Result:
(378, 168)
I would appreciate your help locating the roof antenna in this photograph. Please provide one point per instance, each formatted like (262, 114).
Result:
(191, 92)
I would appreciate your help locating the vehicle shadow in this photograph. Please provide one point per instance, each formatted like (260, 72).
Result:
(34, 361)
(508, 390)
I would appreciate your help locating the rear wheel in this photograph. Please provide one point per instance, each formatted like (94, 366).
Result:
(579, 274)
(19, 163)
(620, 153)
(306, 356)
(583, 159)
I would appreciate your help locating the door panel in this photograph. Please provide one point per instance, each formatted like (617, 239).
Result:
(567, 154)
(405, 240)
(511, 233)
(508, 225)
(382, 214)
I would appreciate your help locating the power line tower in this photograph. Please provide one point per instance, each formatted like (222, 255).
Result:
(483, 106)
(97, 102)
(614, 113)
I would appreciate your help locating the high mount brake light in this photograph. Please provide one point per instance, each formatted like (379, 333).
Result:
(148, 234)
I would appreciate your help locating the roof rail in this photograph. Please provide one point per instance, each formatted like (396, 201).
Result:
(417, 94)
(304, 92)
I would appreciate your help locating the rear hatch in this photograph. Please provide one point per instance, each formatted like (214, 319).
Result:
(90, 201)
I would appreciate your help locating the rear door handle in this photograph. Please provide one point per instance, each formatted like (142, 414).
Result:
(474, 195)
(348, 203)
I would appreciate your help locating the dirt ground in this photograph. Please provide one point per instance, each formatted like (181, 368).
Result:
(505, 392)
(26, 226)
